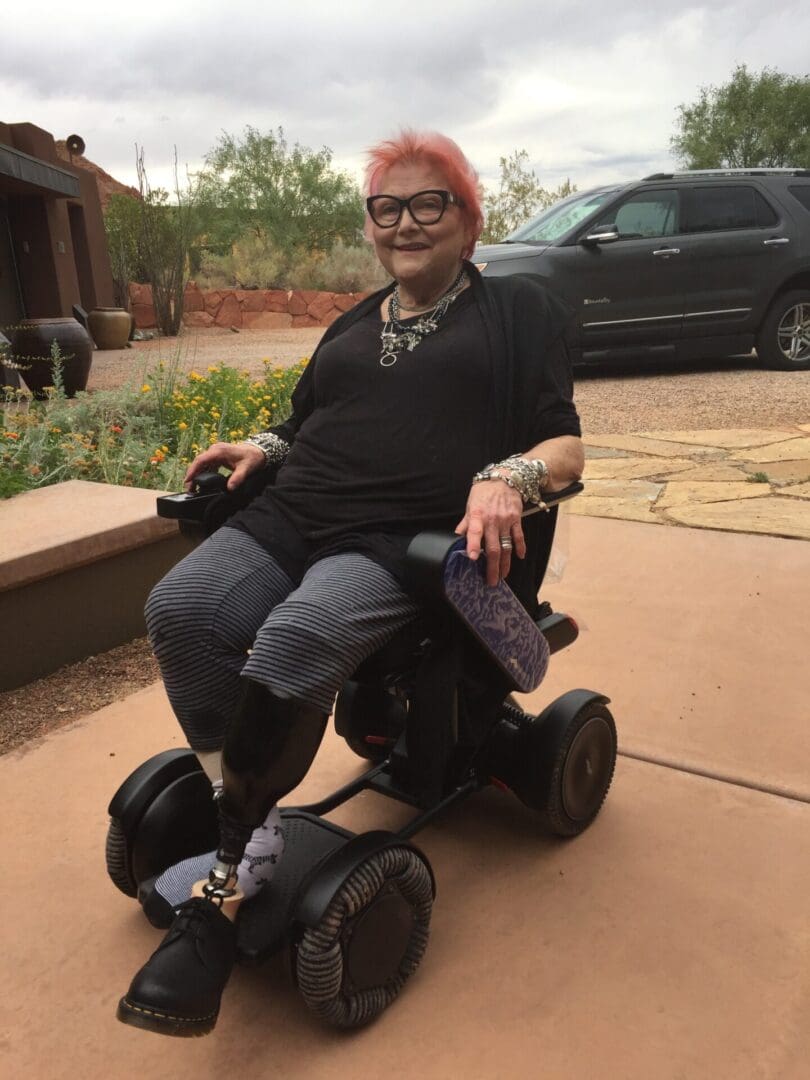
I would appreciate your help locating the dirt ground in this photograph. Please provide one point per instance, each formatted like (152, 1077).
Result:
(611, 401)
(715, 394)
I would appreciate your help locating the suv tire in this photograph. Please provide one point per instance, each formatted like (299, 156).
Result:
(788, 310)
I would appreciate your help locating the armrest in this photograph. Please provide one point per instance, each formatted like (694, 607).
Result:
(209, 504)
(428, 551)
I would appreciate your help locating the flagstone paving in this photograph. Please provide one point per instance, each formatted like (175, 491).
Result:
(738, 480)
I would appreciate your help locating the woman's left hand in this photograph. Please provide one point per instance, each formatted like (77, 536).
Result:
(493, 512)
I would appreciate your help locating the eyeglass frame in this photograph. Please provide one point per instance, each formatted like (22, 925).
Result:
(448, 199)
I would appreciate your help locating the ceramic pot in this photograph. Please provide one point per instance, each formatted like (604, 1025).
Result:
(109, 327)
(31, 350)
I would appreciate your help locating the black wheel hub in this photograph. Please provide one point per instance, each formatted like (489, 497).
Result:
(375, 941)
(587, 769)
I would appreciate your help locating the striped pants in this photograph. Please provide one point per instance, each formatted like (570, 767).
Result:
(228, 609)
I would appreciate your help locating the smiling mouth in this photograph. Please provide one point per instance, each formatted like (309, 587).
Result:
(412, 247)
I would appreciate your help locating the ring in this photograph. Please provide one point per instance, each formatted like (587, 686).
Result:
(505, 542)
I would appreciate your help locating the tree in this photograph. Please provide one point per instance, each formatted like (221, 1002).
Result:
(290, 198)
(167, 232)
(122, 224)
(754, 120)
(518, 197)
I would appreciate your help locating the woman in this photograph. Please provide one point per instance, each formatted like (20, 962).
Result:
(407, 398)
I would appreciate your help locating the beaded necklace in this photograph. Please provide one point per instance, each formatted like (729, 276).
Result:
(396, 336)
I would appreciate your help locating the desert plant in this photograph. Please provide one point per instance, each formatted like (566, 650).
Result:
(122, 224)
(345, 268)
(518, 197)
(143, 434)
(167, 235)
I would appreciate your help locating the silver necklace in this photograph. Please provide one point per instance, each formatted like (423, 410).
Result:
(395, 336)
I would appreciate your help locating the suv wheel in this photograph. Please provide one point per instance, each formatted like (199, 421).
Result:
(784, 338)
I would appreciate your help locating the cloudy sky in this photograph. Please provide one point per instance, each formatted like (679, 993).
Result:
(590, 90)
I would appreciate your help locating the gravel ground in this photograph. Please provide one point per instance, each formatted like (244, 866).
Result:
(618, 400)
(716, 394)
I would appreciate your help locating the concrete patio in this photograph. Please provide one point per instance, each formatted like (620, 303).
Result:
(672, 940)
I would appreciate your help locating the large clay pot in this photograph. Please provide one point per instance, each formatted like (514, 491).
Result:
(31, 350)
(109, 327)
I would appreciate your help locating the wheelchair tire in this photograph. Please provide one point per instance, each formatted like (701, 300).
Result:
(162, 813)
(369, 941)
(570, 759)
(116, 855)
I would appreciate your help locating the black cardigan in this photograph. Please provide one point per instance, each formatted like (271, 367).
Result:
(527, 329)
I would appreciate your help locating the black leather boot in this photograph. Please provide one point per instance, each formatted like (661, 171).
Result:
(178, 990)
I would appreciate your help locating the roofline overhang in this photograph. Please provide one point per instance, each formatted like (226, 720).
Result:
(40, 175)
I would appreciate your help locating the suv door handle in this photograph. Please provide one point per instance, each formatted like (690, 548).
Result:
(777, 240)
(668, 251)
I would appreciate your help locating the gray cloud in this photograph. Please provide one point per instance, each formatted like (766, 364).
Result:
(586, 88)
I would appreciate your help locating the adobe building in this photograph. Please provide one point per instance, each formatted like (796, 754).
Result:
(53, 251)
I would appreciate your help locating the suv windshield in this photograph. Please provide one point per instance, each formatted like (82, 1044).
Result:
(560, 218)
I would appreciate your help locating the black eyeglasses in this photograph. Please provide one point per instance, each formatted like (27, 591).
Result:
(425, 207)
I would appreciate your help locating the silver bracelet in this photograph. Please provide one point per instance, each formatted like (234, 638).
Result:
(528, 476)
(274, 448)
(488, 474)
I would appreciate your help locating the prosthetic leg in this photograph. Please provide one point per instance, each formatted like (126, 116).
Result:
(269, 747)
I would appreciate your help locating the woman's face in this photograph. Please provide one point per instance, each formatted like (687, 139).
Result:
(421, 256)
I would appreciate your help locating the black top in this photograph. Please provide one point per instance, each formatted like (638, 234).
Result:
(379, 454)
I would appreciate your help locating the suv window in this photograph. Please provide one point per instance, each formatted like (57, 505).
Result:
(802, 193)
(645, 215)
(719, 208)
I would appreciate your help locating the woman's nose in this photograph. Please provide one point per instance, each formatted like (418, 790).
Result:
(407, 222)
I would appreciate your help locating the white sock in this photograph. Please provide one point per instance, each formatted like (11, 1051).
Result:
(262, 853)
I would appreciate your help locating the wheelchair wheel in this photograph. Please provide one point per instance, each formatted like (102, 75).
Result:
(369, 941)
(370, 719)
(162, 813)
(569, 757)
(116, 854)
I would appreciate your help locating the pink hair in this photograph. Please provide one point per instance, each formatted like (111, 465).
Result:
(411, 147)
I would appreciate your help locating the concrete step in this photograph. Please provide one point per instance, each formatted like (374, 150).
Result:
(77, 561)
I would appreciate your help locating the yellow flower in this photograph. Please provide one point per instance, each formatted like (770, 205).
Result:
(182, 425)
(145, 388)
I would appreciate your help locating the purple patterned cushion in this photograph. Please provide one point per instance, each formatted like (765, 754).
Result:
(497, 619)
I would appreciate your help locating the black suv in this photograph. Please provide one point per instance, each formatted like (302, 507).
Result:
(681, 265)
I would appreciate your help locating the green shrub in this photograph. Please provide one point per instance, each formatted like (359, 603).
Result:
(346, 268)
(254, 264)
(143, 435)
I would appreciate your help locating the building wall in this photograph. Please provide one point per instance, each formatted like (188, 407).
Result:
(58, 243)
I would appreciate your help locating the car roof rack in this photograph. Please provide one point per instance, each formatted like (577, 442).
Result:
(753, 171)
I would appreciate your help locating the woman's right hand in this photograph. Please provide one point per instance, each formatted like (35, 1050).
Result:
(242, 458)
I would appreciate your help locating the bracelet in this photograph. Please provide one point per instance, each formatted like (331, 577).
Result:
(528, 476)
(274, 448)
(488, 474)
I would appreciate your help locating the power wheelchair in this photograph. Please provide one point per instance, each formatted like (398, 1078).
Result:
(433, 715)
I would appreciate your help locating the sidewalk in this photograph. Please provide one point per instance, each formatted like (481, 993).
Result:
(670, 941)
(740, 480)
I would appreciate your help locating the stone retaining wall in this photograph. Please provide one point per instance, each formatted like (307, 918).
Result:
(249, 309)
